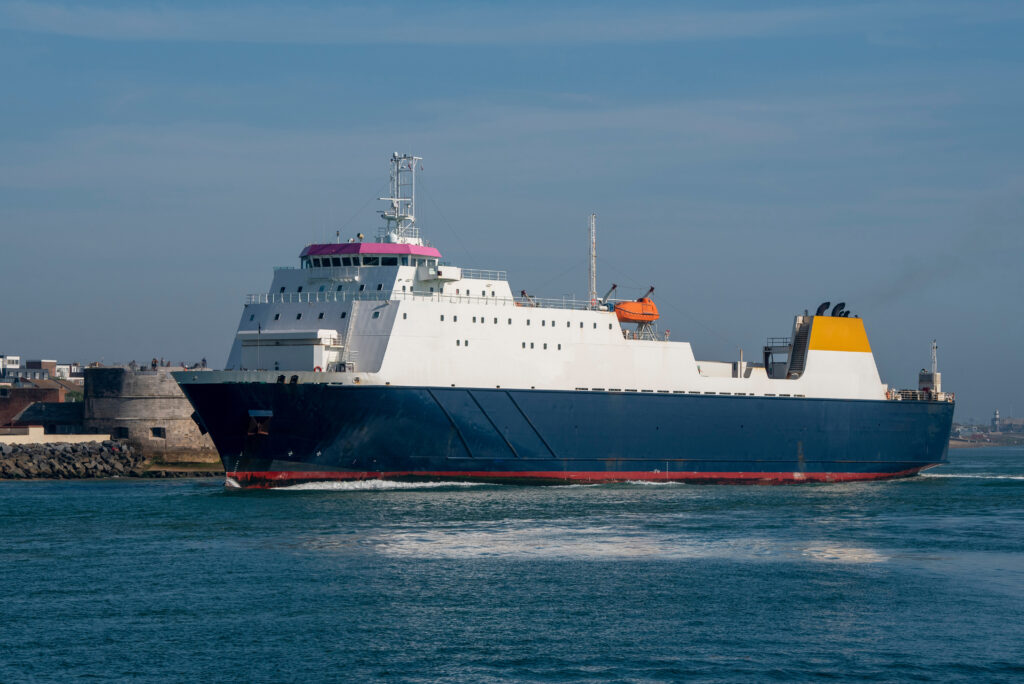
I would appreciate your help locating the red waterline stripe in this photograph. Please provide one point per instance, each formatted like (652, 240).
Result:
(284, 477)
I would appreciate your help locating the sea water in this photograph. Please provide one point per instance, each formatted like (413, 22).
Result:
(184, 580)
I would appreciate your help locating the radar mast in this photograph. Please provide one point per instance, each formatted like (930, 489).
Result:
(400, 218)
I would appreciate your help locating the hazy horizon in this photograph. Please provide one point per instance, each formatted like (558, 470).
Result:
(748, 161)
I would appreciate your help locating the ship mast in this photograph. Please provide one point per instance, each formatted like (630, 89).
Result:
(593, 261)
(400, 217)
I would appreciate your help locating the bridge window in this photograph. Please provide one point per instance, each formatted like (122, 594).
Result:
(347, 261)
(371, 261)
(335, 261)
(389, 261)
(405, 261)
(316, 263)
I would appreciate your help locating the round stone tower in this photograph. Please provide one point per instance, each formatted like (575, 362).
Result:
(147, 409)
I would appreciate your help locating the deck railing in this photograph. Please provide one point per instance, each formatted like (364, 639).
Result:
(393, 295)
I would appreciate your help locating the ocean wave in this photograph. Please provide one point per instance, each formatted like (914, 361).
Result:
(370, 485)
(976, 476)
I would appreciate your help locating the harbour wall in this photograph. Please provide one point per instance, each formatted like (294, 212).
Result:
(69, 461)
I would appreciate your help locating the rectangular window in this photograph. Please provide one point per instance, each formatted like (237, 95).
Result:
(510, 321)
(495, 320)
(543, 323)
(527, 321)
(371, 261)
(343, 313)
(458, 343)
(158, 432)
(466, 343)
(559, 347)
(362, 287)
(321, 315)
(474, 319)
(483, 293)
(316, 263)
(120, 433)
(442, 317)
(455, 319)
(277, 316)
(282, 289)
(339, 288)
(552, 324)
(252, 316)
(335, 261)
(347, 261)
(380, 286)
(389, 261)
(376, 314)
(300, 289)
(298, 316)
(405, 316)
(524, 345)
(545, 345)
(405, 261)
(531, 345)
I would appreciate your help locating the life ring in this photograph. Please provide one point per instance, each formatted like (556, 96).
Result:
(317, 369)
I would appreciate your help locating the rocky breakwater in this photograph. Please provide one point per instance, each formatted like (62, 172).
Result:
(69, 461)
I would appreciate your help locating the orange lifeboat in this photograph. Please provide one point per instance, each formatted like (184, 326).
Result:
(642, 310)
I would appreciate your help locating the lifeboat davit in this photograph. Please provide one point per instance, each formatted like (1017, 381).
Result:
(642, 310)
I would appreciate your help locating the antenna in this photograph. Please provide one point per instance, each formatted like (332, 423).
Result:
(593, 261)
(935, 357)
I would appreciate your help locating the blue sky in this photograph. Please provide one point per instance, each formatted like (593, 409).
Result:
(748, 159)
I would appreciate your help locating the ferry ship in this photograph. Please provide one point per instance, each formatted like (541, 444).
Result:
(379, 360)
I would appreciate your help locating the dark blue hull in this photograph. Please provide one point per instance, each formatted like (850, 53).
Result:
(275, 434)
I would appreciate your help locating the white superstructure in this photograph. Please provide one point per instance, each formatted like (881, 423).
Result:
(390, 312)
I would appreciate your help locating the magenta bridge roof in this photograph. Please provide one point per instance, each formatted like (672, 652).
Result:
(369, 248)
